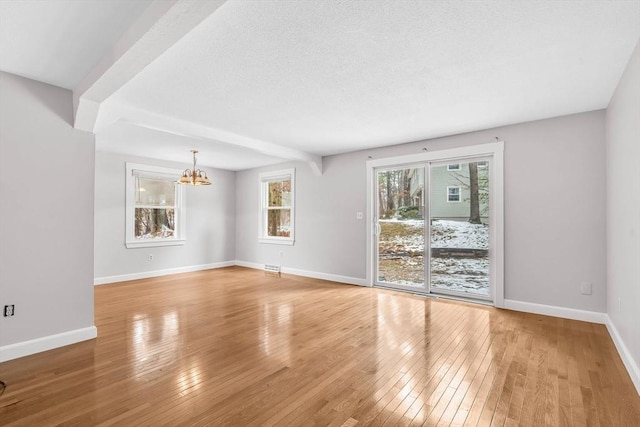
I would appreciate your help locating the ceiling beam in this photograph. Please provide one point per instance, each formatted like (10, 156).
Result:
(110, 113)
(162, 24)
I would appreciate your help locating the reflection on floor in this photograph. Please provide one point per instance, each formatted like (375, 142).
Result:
(237, 347)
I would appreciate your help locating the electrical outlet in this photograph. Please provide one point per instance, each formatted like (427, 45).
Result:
(9, 310)
(586, 288)
(150, 257)
(359, 215)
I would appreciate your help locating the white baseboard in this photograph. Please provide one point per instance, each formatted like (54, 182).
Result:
(632, 367)
(26, 348)
(555, 311)
(249, 265)
(315, 275)
(325, 276)
(156, 273)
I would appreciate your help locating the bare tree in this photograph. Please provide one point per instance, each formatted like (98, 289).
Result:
(275, 199)
(474, 194)
(381, 199)
(478, 186)
(390, 203)
(406, 187)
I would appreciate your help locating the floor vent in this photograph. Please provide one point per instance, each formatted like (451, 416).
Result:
(272, 270)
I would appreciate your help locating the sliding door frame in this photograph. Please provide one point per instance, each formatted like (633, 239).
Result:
(425, 234)
(495, 151)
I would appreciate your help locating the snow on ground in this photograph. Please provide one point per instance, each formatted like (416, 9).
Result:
(461, 274)
(469, 275)
(444, 234)
(459, 234)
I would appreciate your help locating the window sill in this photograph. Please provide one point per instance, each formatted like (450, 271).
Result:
(275, 241)
(153, 243)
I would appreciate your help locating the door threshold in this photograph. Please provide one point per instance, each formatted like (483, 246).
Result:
(426, 295)
(463, 299)
(439, 296)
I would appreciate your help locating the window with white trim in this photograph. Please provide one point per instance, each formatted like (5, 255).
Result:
(453, 167)
(453, 194)
(277, 201)
(155, 214)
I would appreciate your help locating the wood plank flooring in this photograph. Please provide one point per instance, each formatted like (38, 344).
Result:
(234, 346)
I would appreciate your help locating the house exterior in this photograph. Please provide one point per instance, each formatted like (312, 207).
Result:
(450, 191)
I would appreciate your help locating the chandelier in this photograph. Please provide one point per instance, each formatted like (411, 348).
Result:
(194, 176)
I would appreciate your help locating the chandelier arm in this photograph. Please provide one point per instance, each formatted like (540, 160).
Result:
(194, 176)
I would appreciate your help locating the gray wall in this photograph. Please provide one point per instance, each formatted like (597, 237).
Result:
(210, 228)
(623, 208)
(554, 210)
(46, 217)
(329, 238)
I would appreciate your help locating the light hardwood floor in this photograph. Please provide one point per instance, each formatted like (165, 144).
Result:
(235, 347)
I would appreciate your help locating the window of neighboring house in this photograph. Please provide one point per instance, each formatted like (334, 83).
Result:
(277, 194)
(453, 167)
(453, 194)
(155, 207)
(483, 164)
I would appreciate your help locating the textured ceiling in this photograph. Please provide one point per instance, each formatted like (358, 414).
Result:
(302, 79)
(59, 41)
(335, 76)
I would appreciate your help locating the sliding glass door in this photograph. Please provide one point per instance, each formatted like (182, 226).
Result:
(459, 235)
(400, 228)
(432, 223)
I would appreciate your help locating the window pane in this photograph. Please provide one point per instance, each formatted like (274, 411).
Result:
(453, 194)
(400, 200)
(460, 231)
(155, 192)
(279, 193)
(153, 223)
(279, 222)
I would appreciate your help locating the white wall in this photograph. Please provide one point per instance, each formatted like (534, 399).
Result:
(623, 212)
(554, 210)
(46, 213)
(210, 223)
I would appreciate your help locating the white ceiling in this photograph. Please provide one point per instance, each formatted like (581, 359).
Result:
(254, 83)
(60, 41)
(163, 145)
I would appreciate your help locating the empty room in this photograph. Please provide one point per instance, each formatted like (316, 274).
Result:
(319, 212)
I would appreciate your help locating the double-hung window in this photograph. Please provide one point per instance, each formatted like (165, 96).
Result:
(155, 207)
(277, 194)
(453, 194)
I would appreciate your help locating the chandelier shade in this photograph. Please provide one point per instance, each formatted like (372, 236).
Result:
(194, 176)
